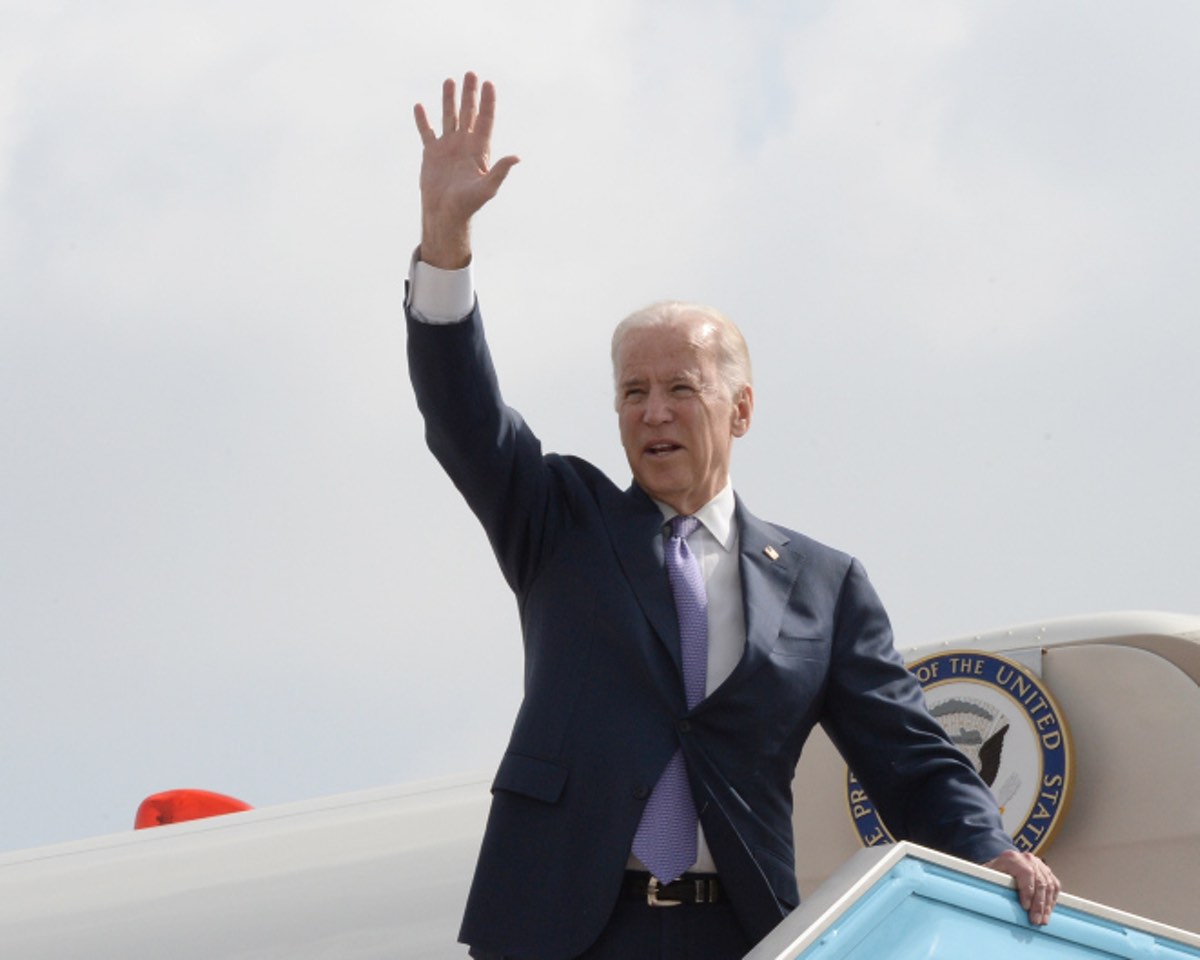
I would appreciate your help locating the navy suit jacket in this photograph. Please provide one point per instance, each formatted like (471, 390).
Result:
(604, 706)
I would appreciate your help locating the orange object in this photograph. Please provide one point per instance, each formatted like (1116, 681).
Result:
(176, 806)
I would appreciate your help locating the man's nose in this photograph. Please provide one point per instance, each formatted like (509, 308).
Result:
(658, 408)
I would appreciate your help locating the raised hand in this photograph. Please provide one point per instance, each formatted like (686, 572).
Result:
(457, 175)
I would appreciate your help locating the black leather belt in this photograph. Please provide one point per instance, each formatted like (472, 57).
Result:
(690, 888)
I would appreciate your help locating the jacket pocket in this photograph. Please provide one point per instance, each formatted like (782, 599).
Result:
(530, 777)
(808, 648)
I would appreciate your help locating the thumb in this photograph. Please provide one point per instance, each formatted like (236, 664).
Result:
(499, 172)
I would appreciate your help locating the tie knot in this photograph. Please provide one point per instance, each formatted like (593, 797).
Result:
(683, 526)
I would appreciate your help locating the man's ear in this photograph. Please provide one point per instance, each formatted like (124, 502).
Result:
(743, 409)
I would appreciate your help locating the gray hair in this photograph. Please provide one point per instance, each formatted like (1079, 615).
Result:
(726, 340)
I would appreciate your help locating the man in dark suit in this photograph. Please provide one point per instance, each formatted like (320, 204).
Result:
(643, 807)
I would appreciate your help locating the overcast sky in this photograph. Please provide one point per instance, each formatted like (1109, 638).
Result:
(961, 238)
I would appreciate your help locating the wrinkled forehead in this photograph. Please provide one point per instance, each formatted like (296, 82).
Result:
(675, 347)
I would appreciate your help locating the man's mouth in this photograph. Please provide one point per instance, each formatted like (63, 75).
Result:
(661, 448)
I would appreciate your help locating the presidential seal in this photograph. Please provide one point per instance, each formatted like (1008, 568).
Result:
(1003, 718)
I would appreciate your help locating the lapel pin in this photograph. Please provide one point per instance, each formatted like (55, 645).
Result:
(771, 552)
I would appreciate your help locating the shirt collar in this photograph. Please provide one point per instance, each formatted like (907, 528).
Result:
(716, 516)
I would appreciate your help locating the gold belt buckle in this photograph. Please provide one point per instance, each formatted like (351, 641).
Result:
(652, 895)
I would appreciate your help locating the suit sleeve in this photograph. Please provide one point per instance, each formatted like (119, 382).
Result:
(922, 785)
(485, 447)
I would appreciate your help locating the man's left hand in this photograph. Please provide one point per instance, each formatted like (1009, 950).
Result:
(1037, 886)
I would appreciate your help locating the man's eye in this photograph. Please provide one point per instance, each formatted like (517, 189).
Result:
(634, 393)
(683, 389)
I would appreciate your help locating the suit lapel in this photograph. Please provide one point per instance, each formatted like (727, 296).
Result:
(635, 527)
(768, 562)
(769, 566)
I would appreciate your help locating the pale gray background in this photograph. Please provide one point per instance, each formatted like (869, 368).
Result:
(961, 238)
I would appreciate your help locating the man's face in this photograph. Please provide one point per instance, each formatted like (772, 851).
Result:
(676, 416)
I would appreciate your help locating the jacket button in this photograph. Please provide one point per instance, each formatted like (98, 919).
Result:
(684, 726)
(641, 792)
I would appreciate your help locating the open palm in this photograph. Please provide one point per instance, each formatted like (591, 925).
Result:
(457, 175)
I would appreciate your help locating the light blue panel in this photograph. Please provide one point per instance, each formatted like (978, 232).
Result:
(921, 910)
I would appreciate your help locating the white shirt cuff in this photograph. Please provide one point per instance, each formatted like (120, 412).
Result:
(440, 296)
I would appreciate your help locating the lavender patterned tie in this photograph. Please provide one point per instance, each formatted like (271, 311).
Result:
(666, 838)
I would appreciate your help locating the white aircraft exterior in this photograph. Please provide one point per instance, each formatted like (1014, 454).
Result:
(380, 873)
(384, 873)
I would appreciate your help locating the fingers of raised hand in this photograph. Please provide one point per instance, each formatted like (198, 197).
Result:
(449, 108)
(467, 116)
(470, 103)
(423, 126)
(449, 115)
(487, 110)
